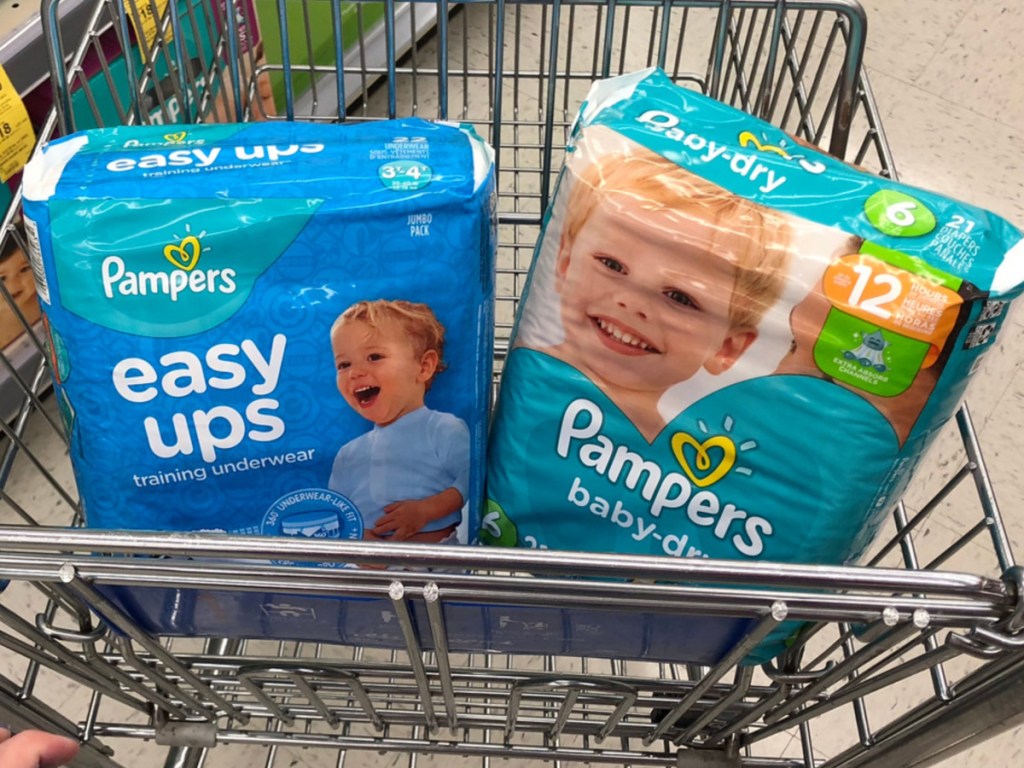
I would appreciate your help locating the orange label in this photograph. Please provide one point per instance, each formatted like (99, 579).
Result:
(893, 298)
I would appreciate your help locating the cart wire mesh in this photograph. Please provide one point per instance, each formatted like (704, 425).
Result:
(913, 618)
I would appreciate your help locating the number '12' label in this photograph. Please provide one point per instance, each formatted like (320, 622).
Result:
(886, 323)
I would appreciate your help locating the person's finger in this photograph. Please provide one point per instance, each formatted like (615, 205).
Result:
(385, 524)
(402, 533)
(37, 749)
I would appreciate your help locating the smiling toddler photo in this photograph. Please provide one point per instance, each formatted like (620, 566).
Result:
(409, 475)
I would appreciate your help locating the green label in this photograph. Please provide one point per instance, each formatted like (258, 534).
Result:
(497, 530)
(405, 175)
(898, 214)
(873, 359)
(912, 264)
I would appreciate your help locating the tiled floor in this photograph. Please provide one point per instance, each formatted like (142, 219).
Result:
(948, 78)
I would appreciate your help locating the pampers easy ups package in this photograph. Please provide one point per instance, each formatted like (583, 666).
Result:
(732, 346)
(271, 329)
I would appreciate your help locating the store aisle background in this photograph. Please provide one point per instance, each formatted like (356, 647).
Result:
(949, 80)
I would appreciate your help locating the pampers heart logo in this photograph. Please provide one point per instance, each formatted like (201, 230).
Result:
(175, 138)
(185, 255)
(706, 469)
(748, 139)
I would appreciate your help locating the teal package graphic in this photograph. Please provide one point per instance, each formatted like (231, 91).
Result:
(732, 346)
(271, 328)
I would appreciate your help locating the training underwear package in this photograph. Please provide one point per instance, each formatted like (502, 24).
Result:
(273, 328)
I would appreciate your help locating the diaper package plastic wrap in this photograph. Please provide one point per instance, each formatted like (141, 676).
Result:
(271, 329)
(732, 346)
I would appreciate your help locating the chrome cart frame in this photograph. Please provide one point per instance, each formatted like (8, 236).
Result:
(911, 616)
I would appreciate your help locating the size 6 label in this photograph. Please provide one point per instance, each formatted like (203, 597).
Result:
(16, 135)
(898, 214)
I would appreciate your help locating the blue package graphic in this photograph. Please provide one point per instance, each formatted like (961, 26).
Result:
(473, 628)
(276, 329)
(731, 346)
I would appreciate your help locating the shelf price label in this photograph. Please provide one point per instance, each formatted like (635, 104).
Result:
(145, 16)
(16, 134)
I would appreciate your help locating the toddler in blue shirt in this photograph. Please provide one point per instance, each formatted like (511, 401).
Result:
(409, 475)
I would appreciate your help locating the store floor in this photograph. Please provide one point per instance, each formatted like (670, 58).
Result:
(949, 80)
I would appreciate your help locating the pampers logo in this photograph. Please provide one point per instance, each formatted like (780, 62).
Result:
(183, 255)
(704, 462)
(175, 138)
(782, 149)
(191, 267)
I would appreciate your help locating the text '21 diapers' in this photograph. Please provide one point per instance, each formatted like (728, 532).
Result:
(732, 346)
(271, 328)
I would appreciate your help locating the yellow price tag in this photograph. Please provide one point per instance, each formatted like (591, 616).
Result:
(16, 134)
(147, 15)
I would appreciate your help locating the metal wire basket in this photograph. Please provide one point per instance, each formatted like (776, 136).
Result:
(915, 618)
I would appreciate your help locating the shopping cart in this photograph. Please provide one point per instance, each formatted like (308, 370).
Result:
(919, 624)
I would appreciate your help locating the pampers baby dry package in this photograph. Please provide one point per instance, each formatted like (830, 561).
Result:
(732, 346)
(279, 329)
